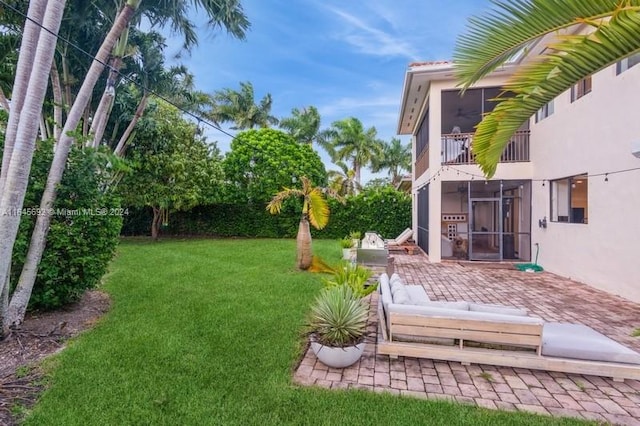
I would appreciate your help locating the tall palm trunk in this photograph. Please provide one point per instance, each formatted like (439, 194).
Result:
(356, 169)
(56, 88)
(303, 242)
(120, 149)
(101, 116)
(22, 293)
(17, 178)
(4, 307)
(25, 64)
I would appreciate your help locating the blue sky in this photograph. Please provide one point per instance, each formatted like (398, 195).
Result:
(345, 58)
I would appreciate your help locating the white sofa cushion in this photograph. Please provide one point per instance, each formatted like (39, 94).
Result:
(417, 294)
(581, 342)
(462, 306)
(395, 286)
(401, 296)
(385, 292)
(433, 311)
(497, 309)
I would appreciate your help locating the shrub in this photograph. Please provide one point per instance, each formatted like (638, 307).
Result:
(262, 162)
(84, 229)
(384, 210)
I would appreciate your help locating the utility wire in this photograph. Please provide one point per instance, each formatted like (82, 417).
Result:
(123, 76)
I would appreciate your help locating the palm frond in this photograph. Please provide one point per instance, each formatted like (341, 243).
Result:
(571, 58)
(275, 205)
(318, 209)
(513, 26)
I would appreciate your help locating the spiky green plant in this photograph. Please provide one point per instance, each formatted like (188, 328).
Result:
(346, 243)
(353, 276)
(338, 317)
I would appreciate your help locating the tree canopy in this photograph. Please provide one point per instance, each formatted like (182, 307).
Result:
(262, 162)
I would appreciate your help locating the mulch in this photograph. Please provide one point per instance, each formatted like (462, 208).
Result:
(42, 334)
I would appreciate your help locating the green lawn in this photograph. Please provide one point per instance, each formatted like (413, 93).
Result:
(207, 332)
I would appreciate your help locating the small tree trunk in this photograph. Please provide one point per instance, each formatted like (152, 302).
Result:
(43, 128)
(4, 103)
(120, 149)
(39, 236)
(155, 223)
(58, 103)
(66, 79)
(303, 242)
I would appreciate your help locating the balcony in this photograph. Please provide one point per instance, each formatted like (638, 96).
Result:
(457, 148)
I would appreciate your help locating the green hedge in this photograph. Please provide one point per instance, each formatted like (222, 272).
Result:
(84, 230)
(385, 211)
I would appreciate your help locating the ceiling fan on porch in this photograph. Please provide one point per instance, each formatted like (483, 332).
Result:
(467, 115)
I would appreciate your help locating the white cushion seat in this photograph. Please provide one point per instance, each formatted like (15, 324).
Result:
(581, 342)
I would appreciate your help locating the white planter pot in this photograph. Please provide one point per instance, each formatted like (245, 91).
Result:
(348, 253)
(337, 357)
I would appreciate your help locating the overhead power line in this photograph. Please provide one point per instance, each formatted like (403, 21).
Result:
(123, 76)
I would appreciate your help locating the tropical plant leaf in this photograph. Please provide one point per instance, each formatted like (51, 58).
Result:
(569, 59)
(513, 26)
(275, 205)
(319, 265)
(318, 209)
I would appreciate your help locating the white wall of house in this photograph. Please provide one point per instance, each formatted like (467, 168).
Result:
(593, 135)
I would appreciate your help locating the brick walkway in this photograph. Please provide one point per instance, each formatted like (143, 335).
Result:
(545, 295)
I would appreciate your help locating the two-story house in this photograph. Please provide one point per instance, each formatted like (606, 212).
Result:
(567, 186)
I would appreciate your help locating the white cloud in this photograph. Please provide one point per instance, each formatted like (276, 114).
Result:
(371, 40)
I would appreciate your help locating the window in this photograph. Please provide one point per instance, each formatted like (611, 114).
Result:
(627, 63)
(569, 202)
(545, 111)
(581, 88)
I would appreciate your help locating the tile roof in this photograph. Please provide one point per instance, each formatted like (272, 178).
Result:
(420, 64)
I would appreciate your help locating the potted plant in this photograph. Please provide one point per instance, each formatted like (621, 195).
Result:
(347, 248)
(355, 236)
(338, 323)
(353, 276)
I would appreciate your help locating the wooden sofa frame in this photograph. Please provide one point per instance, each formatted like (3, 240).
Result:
(504, 336)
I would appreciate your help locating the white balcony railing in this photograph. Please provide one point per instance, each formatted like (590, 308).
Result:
(457, 148)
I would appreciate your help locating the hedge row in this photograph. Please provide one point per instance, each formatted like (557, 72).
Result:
(385, 211)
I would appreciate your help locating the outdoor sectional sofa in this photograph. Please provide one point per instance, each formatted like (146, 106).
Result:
(413, 325)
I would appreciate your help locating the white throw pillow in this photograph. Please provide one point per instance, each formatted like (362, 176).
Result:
(400, 296)
(395, 277)
(395, 286)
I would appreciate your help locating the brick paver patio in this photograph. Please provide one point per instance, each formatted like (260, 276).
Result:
(545, 295)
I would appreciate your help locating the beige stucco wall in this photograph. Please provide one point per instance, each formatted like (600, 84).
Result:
(593, 135)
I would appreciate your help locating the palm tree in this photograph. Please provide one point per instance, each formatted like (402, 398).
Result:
(395, 158)
(241, 109)
(510, 28)
(348, 141)
(227, 14)
(34, 64)
(303, 124)
(315, 210)
(344, 182)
